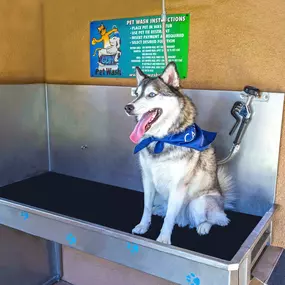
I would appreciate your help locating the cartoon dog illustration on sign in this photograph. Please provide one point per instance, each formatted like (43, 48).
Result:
(108, 56)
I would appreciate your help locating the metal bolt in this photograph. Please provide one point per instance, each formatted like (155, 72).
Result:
(84, 146)
(266, 97)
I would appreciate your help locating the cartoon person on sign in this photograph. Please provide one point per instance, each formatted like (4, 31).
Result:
(109, 54)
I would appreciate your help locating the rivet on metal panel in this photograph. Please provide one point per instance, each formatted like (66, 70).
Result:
(85, 146)
(192, 279)
(265, 96)
(25, 215)
(132, 247)
(71, 239)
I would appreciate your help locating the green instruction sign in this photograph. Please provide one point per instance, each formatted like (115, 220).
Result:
(118, 46)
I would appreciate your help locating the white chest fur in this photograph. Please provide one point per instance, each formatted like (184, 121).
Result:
(165, 173)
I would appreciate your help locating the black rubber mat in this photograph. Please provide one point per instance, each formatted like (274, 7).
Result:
(121, 209)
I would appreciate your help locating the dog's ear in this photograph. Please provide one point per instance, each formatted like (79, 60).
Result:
(139, 75)
(170, 75)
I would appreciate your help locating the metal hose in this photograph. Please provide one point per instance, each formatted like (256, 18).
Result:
(234, 150)
(164, 20)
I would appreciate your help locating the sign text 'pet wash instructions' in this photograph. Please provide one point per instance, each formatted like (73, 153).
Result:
(118, 46)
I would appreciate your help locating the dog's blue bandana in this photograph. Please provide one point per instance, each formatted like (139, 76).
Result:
(193, 137)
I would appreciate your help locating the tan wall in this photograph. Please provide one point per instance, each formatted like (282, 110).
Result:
(84, 269)
(233, 43)
(21, 41)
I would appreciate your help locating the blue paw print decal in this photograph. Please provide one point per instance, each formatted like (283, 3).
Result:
(25, 215)
(192, 279)
(71, 239)
(132, 247)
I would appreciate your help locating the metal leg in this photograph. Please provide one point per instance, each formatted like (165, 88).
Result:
(55, 257)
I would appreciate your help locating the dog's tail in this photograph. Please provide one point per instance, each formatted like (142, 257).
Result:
(227, 186)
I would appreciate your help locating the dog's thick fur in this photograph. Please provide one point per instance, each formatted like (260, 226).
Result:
(181, 184)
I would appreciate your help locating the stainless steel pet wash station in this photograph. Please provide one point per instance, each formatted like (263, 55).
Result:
(68, 178)
(75, 188)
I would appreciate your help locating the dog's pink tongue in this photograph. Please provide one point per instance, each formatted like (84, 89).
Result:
(139, 129)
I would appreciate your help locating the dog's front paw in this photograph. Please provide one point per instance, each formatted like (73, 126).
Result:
(204, 228)
(164, 238)
(140, 229)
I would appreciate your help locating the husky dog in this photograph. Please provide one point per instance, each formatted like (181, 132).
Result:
(181, 184)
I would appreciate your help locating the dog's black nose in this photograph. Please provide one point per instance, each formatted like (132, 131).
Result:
(129, 108)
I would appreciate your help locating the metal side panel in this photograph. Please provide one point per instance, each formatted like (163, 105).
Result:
(129, 250)
(89, 135)
(270, 267)
(23, 144)
(278, 274)
(25, 259)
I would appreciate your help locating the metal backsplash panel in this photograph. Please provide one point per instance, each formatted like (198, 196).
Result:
(254, 168)
(23, 143)
(92, 116)
(89, 135)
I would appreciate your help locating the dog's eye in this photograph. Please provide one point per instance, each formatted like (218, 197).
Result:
(152, 94)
